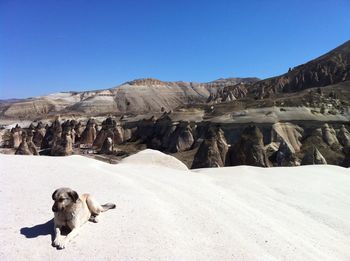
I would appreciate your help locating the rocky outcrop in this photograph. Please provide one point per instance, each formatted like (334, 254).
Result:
(329, 135)
(107, 146)
(212, 151)
(249, 150)
(39, 134)
(78, 129)
(119, 135)
(52, 135)
(136, 96)
(285, 155)
(331, 68)
(69, 126)
(285, 132)
(31, 145)
(63, 146)
(182, 138)
(344, 136)
(271, 150)
(16, 136)
(27, 146)
(107, 130)
(228, 93)
(346, 162)
(313, 156)
(23, 148)
(164, 129)
(146, 129)
(110, 128)
(89, 134)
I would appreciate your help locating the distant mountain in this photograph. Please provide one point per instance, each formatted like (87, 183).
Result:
(137, 96)
(152, 95)
(331, 68)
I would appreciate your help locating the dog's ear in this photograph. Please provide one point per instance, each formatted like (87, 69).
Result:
(54, 194)
(73, 195)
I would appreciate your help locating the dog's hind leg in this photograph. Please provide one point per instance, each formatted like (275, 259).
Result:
(108, 206)
(95, 208)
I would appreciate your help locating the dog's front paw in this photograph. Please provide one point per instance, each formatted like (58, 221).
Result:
(59, 243)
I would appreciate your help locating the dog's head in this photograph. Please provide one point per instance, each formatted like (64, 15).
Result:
(63, 198)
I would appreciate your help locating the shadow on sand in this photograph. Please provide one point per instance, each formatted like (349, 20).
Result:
(39, 230)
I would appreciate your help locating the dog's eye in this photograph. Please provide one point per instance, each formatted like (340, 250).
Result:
(61, 199)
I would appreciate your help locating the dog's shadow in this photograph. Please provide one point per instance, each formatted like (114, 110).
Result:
(39, 230)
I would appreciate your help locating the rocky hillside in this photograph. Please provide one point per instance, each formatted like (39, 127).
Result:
(197, 144)
(331, 68)
(136, 96)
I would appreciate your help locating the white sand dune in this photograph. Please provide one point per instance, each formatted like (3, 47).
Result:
(165, 212)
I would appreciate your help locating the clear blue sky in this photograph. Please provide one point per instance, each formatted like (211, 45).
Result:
(49, 46)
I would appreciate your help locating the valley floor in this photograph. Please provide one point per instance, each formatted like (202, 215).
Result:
(166, 212)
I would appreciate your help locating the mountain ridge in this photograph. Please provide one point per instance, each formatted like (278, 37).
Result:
(330, 68)
(153, 95)
(139, 95)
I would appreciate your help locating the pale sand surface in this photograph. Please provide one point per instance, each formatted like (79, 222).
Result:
(165, 212)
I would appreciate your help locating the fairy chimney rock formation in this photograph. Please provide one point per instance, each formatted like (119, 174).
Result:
(89, 134)
(329, 135)
(313, 156)
(212, 151)
(39, 134)
(16, 136)
(107, 146)
(23, 148)
(344, 136)
(249, 150)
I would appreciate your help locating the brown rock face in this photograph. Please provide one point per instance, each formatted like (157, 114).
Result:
(346, 162)
(119, 136)
(23, 148)
(110, 128)
(212, 151)
(31, 145)
(107, 130)
(331, 68)
(16, 137)
(249, 150)
(63, 146)
(344, 136)
(107, 146)
(89, 134)
(163, 132)
(329, 135)
(52, 135)
(39, 134)
(288, 133)
(285, 155)
(182, 138)
(228, 93)
(312, 157)
(78, 129)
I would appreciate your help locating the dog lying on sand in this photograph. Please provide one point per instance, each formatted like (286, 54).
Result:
(72, 211)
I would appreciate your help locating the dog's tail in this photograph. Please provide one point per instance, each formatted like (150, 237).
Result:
(108, 206)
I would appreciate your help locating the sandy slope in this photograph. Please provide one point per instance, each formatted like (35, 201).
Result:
(237, 213)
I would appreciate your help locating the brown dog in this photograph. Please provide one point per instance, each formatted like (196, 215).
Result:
(72, 211)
